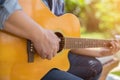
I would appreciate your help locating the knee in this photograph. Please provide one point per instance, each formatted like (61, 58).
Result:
(89, 64)
(85, 66)
(95, 67)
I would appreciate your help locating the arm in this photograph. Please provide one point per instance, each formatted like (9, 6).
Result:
(86, 52)
(18, 23)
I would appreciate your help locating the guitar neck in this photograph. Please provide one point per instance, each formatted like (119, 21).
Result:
(71, 43)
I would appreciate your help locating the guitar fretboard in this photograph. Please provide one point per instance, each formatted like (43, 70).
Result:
(71, 43)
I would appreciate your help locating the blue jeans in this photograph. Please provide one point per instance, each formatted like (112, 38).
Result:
(81, 68)
(88, 68)
(56, 74)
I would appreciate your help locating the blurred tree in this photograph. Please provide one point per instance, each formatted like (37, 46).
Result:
(97, 15)
(85, 11)
(108, 14)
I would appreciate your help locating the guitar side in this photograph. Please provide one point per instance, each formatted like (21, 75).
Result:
(13, 49)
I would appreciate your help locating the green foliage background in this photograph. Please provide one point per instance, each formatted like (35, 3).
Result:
(96, 16)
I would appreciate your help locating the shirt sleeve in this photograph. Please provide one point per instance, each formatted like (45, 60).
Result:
(56, 6)
(2, 1)
(6, 9)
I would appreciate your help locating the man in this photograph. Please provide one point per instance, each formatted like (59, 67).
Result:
(91, 68)
(15, 21)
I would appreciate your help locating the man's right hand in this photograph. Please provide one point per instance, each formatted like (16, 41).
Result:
(46, 44)
(45, 41)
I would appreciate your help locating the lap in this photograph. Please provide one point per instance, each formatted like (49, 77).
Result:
(56, 74)
(81, 67)
(84, 66)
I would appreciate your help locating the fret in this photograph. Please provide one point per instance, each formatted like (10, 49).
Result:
(85, 43)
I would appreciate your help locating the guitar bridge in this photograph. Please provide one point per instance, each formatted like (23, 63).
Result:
(30, 51)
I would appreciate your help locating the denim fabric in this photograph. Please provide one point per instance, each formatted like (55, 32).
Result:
(56, 6)
(1, 2)
(88, 68)
(7, 8)
(81, 68)
(56, 74)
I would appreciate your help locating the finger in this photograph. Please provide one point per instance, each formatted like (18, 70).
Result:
(111, 48)
(49, 57)
(58, 45)
(43, 57)
(55, 51)
(117, 44)
(44, 54)
(50, 54)
(114, 46)
(117, 49)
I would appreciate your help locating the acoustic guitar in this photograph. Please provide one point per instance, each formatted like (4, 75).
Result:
(13, 49)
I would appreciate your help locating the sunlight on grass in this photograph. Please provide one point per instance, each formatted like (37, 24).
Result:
(116, 73)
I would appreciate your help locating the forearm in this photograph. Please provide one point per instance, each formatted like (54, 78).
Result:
(88, 52)
(15, 21)
(22, 25)
(102, 52)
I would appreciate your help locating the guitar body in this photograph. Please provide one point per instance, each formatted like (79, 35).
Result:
(13, 49)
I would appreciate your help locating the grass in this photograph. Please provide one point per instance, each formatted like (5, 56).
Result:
(116, 73)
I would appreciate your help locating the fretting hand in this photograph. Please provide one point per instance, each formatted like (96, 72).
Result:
(114, 48)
